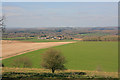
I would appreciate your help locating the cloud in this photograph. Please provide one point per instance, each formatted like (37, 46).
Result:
(10, 11)
(12, 8)
(10, 14)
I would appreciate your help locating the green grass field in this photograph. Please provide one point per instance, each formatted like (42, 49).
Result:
(40, 40)
(80, 56)
(37, 40)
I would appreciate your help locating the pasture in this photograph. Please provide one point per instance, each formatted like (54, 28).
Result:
(47, 40)
(37, 40)
(93, 56)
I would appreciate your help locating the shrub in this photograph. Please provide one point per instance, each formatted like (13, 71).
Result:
(22, 62)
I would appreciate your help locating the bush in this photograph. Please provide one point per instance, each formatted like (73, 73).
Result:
(22, 62)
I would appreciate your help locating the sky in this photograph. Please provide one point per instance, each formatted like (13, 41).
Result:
(60, 0)
(60, 14)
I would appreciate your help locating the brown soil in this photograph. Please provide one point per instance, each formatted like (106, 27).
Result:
(13, 48)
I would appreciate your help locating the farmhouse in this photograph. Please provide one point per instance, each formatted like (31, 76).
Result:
(52, 37)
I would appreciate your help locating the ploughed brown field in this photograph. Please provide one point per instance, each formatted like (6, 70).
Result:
(13, 48)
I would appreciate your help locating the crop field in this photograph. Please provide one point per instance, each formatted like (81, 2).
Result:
(12, 48)
(93, 56)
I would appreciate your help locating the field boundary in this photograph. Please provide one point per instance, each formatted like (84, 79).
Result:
(29, 50)
(41, 70)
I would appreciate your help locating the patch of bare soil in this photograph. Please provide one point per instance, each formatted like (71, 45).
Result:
(13, 48)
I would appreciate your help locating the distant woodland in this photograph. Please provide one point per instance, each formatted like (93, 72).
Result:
(63, 33)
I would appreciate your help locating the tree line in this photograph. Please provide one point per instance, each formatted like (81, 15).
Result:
(102, 38)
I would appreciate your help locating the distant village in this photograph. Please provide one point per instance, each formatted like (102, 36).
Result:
(53, 37)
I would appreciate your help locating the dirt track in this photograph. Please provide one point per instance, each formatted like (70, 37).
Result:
(13, 48)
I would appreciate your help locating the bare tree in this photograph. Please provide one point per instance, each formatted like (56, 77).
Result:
(52, 59)
(2, 25)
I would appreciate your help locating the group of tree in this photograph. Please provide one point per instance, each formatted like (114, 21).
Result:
(51, 59)
(102, 38)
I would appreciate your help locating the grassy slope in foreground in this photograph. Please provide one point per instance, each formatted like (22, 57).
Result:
(31, 72)
(81, 56)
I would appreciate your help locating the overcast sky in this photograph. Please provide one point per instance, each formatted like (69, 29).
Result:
(60, 14)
